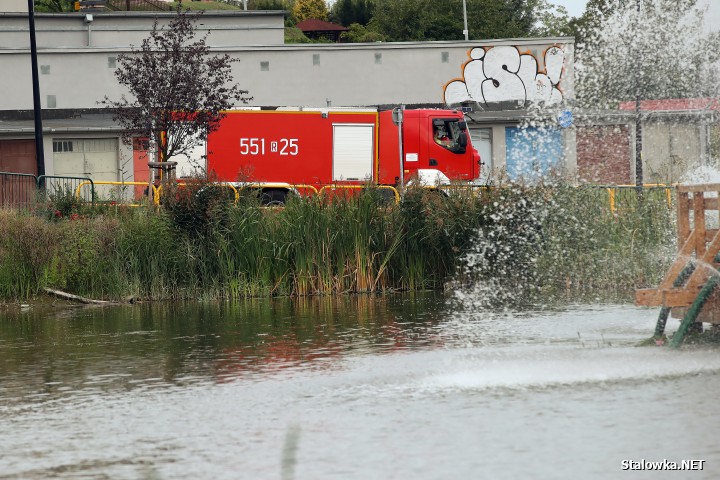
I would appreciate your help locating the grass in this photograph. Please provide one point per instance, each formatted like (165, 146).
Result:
(522, 244)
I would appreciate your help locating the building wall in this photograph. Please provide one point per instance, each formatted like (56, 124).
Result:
(299, 75)
(13, 6)
(79, 55)
(604, 154)
(121, 29)
(670, 150)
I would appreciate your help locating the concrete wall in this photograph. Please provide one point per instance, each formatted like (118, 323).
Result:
(302, 75)
(78, 58)
(13, 6)
(670, 150)
(58, 32)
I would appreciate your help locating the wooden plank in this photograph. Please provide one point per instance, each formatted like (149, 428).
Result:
(683, 218)
(682, 260)
(705, 264)
(648, 297)
(679, 297)
(673, 297)
(699, 222)
(708, 187)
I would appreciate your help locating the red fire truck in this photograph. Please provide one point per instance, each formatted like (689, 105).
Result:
(281, 151)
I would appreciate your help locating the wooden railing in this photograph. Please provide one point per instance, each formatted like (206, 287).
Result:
(697, 259)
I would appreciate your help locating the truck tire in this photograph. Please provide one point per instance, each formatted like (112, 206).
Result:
(273, 197)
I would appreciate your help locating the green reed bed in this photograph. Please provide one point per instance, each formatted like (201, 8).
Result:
(529, 244)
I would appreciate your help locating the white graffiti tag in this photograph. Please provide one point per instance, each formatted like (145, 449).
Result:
(500, 74)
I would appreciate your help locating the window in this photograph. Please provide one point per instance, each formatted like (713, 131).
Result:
(264, 66)
(378, 58)
(450, 134)
(45, 69)
(51, 101)
(316, 59)
(445, 57)
(62, 146)
(112, 62)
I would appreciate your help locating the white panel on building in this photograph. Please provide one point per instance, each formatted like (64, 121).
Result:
(353, 151)
(96, 158)
(482, 141)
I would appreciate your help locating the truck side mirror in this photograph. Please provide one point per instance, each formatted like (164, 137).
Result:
(462, 139)
(463, 125)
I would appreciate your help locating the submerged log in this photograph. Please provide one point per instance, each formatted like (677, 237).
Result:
(76, 298)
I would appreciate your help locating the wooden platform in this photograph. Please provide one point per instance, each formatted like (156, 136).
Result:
(698, 247)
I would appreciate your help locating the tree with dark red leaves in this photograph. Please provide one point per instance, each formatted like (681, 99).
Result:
(178, 91)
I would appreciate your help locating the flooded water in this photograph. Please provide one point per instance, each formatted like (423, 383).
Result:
(388, 387)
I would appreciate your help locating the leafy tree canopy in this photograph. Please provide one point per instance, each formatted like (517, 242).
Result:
(54, 5)
(360, 34)
(347, 12)
(661, 51)
(304, 9)
(177, 88)
(418, 20)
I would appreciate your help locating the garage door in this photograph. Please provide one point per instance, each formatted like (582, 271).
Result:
(17, 156)
(96, 158)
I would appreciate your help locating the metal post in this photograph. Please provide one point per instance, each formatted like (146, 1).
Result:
(402, 150)
(465, 27)
(638, 120)
(37, 109)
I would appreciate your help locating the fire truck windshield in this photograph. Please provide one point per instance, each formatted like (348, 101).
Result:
(448, 133)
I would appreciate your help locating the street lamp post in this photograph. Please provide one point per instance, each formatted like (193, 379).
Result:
(37, 109)
(465, 27)
(638, 120)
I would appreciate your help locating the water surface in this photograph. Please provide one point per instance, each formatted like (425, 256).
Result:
(352, 388)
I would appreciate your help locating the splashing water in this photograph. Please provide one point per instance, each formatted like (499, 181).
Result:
(703, 174)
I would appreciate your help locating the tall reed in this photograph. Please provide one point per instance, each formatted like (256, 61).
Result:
(529, 243)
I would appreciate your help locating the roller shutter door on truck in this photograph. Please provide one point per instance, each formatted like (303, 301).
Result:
(353, 152)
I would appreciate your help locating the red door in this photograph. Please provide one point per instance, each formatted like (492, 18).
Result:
(17, 156)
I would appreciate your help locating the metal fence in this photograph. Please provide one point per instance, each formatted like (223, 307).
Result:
(23, 190)
(55, 186)
(17, 189)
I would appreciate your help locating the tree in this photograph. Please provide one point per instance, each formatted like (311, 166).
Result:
(417, 20)
(347, 12)
(659, 52)
(178, 90)
(54, 5)
(304, 9)
(360, 34)
(552, 20)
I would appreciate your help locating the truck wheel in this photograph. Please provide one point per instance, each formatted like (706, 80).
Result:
(273, 197)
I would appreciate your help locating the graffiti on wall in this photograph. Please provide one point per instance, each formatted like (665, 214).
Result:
(504, 74)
